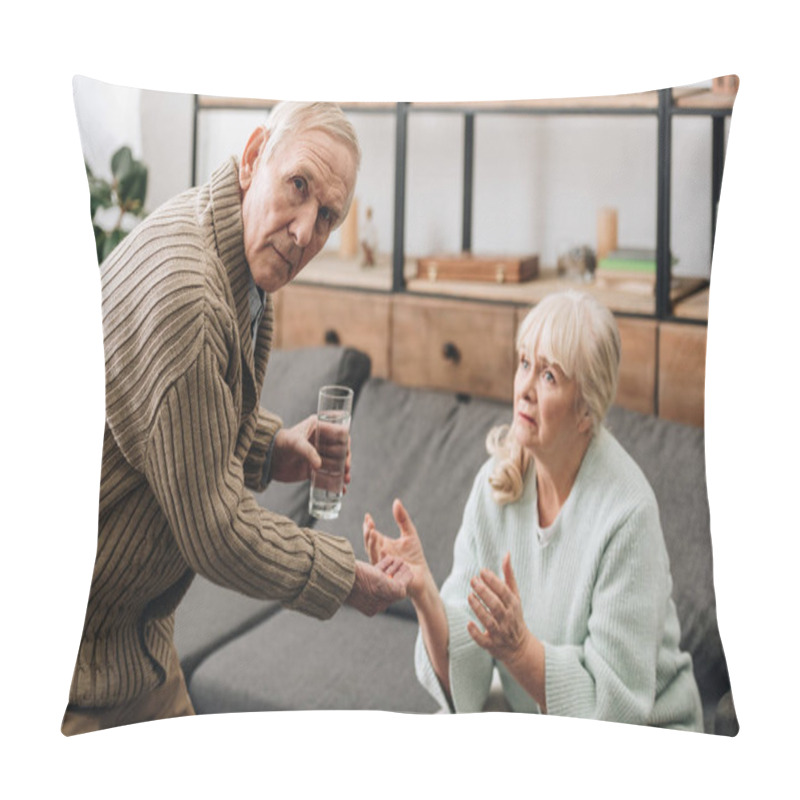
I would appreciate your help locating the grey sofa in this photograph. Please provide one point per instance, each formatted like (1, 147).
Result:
(241, 654)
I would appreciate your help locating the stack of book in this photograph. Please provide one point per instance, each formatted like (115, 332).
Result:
(629, 269)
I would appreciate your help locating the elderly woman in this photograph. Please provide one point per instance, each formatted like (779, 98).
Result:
(560, 574)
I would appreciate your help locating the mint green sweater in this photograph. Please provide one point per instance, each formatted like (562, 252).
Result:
(595, 590)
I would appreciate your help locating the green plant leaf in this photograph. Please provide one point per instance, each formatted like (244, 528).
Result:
(112, 239)
(99, 195)
(132, 188)
(121, 162)
(99, 242)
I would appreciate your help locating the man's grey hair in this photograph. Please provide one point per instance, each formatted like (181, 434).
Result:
(289, 118)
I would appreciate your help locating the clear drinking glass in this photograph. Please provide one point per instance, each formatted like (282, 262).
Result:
(334, 409)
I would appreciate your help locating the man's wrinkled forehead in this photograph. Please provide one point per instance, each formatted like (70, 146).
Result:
(319, 158)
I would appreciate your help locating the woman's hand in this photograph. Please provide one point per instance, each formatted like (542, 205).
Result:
(421, 588)
(497, 606)
(294, 456)
(407, 547)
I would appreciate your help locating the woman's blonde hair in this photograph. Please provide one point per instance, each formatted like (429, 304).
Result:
(576, 332)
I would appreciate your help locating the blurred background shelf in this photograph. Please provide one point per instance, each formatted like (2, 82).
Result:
(418, 331)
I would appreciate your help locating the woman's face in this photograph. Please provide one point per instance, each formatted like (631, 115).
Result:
(547, 416)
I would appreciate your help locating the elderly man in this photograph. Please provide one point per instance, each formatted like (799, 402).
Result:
(188, 321)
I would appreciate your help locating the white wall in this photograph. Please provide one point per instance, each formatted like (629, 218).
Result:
(538, 181)
(166, 144)
(108, 117)
(157, 126)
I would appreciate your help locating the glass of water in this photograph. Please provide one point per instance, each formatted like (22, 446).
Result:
(334, 409)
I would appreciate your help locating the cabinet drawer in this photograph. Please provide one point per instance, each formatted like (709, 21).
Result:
(682, 372)
(637, 368)
(309, 316)
(457, 346)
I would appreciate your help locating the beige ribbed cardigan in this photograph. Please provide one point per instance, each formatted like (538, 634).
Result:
(185, 441)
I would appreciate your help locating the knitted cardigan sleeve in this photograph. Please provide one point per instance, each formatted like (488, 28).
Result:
(198, 479)
(256, 465)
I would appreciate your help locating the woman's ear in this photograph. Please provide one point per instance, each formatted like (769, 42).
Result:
(584, 419)
(252, 150)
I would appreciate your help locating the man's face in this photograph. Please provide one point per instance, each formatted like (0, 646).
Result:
(291, 202)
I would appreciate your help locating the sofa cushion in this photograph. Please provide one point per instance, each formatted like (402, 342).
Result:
(294, 662)
(672, 456)
(210, 615)
(424, 447)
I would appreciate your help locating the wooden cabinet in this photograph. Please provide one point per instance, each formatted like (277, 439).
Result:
(454, 345)
(311, 316)
(681, 372)
(637, 369)
(467, 346)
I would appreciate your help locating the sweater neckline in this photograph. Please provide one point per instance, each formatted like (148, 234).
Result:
(544, 535)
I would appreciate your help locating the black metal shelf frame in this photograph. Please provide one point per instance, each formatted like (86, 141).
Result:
(664, 111)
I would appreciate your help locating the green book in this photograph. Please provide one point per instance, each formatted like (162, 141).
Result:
(630, 260)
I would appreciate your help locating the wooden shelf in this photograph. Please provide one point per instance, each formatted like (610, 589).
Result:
(705, 99)
(646, 100)
(693, 307)
(331, 269)
(211, 101)
(532, 292)
(632, 297)
(683, 97)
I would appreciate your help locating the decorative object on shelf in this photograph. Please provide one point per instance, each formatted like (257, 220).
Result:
(629, 269)
(627, 261)
(348, 247)
(606, 231)
(369, 241)
(726, 84)
(467, 267)
(577, 262)
(125, 194)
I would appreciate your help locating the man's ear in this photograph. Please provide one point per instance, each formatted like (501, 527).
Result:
(255, 144)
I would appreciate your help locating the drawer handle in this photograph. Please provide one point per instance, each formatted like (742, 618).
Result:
(331, 337)
(451, 353)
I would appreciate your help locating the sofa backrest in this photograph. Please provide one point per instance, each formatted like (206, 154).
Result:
(672, 456)
(291, 385)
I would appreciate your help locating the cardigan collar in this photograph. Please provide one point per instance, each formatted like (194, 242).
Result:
(228, 230)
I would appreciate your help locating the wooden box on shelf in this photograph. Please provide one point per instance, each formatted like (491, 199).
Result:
(469, 267)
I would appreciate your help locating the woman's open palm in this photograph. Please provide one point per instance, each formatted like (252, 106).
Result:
(407, 546)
